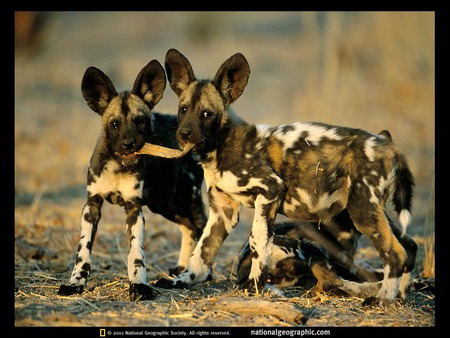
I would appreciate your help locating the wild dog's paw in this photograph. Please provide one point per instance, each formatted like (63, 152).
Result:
(170, 284)
(253, 286)
(209, 277)
(68, 290)
(141, 292)
(376, 301)
(176, 270)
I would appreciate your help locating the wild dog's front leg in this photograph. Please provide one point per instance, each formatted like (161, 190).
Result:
(223, 217)
(90, 217)
(260, 241)
(139, 288)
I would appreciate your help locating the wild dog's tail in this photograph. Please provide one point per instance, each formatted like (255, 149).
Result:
(403, 187)
(403, 192)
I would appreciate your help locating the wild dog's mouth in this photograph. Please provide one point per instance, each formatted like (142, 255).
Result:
(127, 156)
(187, 147)
(128, 159)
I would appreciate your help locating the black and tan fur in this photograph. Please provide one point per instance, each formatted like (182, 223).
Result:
(311, 254)
(169, 187)
(305, 254)
(306, 171)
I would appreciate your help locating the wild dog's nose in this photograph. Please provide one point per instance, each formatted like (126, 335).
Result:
(128, 143)
(184, 133)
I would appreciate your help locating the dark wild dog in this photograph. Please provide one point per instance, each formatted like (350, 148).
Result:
(169, 187)
(300, 256)
(305, 254)
(306, 171)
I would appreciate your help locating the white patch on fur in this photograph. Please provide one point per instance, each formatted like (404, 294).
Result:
(263, 130)
(84, 254)
(137, 275)
(109, 180)
(324, 201)
(369, 148)
(405, 220)
(196, 264)
(279, 254)
(389, 287)
(305, 198)
(316, 134)
(373, 197)
(229, 182)
(382, 185)
(187, 246)
(259, 240)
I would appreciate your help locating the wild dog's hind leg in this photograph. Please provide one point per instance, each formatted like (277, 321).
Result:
(411, 250)
(375, 226)
(139, 288)
(90, 217)
(223, 217)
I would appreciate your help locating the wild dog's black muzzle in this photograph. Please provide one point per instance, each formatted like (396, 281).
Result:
(184, 134)
(128, 143)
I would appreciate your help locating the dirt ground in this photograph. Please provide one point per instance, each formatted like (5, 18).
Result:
(305, 67)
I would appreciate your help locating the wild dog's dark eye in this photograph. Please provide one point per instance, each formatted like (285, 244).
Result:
(182, 110)
(139, 121)
(207, 113)
(114, 124)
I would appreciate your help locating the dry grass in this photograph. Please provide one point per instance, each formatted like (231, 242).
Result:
(370, 70)
(44, 257)
(428, 246)
(107, 304)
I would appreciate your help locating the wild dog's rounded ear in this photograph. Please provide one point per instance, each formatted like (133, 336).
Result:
(97, 89)
(150, 83)
(386, 134)
(232, 77)
(179, 71)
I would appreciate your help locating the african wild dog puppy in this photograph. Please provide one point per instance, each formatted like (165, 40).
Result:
(310, 254)
(169, 187)
(299, 257)
(306, 171)
(305, 254)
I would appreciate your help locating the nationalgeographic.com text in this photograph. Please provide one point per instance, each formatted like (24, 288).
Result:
(290, 333)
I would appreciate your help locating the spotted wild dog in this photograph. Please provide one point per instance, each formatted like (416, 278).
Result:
(169, 187)
(305, 171)
(309, 254)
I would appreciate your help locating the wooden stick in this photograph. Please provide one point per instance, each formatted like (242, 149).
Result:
(155, 150)
(257, 307)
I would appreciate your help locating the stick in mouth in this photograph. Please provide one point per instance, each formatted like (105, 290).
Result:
(160, 151)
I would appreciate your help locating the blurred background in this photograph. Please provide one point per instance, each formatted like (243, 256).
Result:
(369, 70)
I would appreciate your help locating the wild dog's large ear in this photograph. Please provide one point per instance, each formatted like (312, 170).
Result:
(179, 71)
(232, 77)
(97, 89)
(150, 83)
